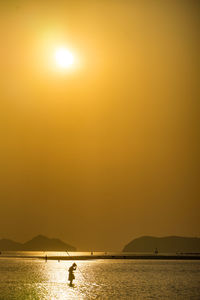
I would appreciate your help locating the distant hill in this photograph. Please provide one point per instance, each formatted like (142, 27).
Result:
(38, 243)
(9, 245)
(169, 244)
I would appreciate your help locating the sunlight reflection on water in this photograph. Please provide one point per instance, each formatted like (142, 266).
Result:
(25, 279)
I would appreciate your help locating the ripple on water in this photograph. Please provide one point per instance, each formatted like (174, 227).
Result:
(103, 279)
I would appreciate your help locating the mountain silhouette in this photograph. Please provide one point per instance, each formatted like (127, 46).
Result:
(38, 243)
(169, 244)
(9, 245)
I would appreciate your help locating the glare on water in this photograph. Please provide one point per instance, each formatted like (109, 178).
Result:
(99, 279)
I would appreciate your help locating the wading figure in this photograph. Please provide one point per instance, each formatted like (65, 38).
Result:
(71, 273)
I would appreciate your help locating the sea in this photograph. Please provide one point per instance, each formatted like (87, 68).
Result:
(24, 277)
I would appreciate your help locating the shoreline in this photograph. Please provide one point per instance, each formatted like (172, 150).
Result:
(99, 257)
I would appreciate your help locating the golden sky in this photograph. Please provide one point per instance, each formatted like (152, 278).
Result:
(107, 150)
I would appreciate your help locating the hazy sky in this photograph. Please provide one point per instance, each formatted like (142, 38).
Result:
(108, 150)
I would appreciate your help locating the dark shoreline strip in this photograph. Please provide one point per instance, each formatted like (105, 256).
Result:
(122, 257)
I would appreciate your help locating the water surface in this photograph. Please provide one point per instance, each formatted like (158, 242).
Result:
(99, 279)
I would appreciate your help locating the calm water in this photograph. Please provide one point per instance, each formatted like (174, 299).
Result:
(102, 279)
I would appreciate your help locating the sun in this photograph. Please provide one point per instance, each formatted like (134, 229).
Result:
(64, 58)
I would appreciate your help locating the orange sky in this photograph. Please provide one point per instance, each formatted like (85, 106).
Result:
(109, 150)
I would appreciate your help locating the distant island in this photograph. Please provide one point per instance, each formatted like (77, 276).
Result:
(38, 243)
(169, 244)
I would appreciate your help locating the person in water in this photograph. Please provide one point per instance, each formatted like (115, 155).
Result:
(71, 273)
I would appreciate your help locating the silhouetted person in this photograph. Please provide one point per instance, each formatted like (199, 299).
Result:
(71, 273)
(156, 251)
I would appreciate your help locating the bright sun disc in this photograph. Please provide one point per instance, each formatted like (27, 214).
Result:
(64, 58)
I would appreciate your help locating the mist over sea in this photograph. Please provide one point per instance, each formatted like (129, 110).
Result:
(33, 278)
